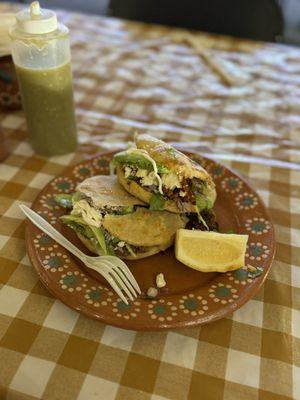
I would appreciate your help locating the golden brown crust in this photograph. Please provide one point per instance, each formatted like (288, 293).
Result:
(171, 158)
(150, 251)
(144, 227)
(138, 191)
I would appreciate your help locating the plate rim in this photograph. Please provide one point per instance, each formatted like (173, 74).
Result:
(199, 320)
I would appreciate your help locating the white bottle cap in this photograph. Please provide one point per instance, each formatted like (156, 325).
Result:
(36, 20)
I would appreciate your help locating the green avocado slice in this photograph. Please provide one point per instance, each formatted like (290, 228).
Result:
(157, 202)
(80, 226)
(203, 203)
(139, 161)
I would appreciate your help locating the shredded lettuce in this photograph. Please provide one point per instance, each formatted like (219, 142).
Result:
(124, 210)
(201, 219)
(98, 237)
(110, 249)
(76, 197)
(72, 218)
(78, 225)
(128, 247)
(95, 235)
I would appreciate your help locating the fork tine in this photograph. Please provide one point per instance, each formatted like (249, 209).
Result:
(123, 277)
(125, 270)
(104, 270)
(116, 288)
(126, 279)
(122, 285)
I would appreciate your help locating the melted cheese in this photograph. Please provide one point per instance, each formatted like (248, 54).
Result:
(127, 172)
(146, 155)
(149, 179)
(171, 181)
(141, 173)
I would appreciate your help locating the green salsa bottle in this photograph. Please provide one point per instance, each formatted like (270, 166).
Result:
(41, 54)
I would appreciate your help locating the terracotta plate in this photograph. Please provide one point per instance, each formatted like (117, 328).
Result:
(191, 297)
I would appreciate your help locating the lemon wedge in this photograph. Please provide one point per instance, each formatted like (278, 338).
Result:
(210, 251)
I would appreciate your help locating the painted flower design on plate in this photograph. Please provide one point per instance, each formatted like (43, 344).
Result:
(223, 293)
(56, 262)
(257, 251)
(258, 226)
(162, 309)
(246, 201)
(126, 311)
(193, 305)
(232, 185)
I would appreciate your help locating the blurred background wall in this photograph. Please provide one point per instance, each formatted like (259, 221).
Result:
(290, 10)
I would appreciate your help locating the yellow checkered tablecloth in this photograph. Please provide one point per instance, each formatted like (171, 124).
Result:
(126, 78)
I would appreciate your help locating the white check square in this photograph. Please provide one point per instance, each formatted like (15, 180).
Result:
(251, 313)
(7, 306)
(24, 149)
(61, 317)
(63, 160)
(257, 171)
(14, 210)
(32, 376)
(40, 180)
(116, 337)
(230, 123)
(296, 323)
(114, 87)
(265, 195)
(180, 350)
(296, 382)
(295, 276)
(7, 171)
(243, 368)
(295, 241)
(78, 96)
(94, 388)
(295, 205)
(105, 102)
(3, 240)
(133, 108)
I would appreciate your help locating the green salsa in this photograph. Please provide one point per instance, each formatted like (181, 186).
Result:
(47, 97)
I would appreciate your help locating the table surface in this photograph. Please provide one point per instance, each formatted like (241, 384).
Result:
(126, 79)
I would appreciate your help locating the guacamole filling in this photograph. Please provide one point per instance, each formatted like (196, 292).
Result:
(173, 186)
(85, 220)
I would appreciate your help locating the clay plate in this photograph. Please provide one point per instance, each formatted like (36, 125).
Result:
(191, 297)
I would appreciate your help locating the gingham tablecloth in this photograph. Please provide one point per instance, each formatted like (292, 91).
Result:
(125, 79)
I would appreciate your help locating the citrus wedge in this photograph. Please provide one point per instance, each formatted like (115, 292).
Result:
(210, 251)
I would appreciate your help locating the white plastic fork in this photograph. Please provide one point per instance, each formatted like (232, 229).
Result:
(112, 268)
